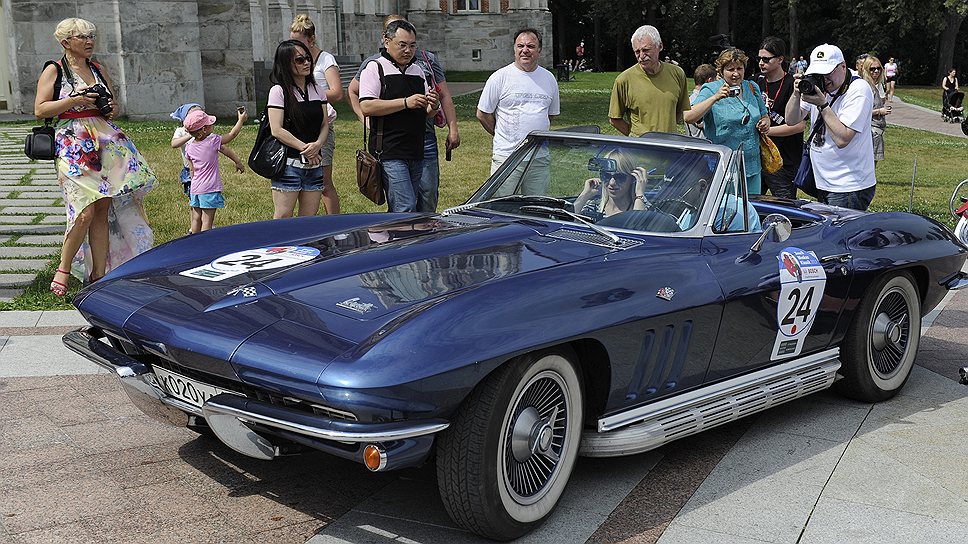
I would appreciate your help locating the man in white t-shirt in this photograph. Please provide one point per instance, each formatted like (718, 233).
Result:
(841, 151)
(518, 99)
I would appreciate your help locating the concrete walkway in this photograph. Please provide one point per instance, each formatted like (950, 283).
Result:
(31, 214)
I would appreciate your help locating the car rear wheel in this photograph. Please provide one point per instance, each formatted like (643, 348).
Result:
(505, 460)
(882, 342)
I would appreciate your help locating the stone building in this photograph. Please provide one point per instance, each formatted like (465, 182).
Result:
(162, 53)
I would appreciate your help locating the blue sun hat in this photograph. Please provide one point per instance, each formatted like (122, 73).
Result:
(180, 113)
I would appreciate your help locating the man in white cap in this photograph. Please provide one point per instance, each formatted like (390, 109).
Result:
(841, 149)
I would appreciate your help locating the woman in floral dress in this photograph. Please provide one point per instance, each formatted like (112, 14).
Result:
(103, 176)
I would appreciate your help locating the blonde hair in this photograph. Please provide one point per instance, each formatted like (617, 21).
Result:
(730, 55)
(390, 18)
(73, 27)
(865, 71)
(303, 25)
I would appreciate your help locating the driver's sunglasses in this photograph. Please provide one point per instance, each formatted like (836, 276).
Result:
(619, 177)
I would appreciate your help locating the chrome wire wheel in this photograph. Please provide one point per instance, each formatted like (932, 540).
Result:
(535, 438)
(890, 333)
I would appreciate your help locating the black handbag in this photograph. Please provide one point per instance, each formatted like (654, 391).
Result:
(39, 144)
(268, 156)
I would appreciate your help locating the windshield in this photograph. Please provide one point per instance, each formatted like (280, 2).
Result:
(648, 188)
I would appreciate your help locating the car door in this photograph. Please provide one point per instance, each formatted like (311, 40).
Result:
(779, 302)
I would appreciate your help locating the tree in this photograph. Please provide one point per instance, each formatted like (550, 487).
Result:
(955, 11)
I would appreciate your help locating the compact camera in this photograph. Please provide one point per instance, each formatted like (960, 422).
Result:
(733, 90)
(103, 100)
(810, 84)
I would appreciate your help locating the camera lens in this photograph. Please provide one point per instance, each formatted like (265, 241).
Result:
(806, 87)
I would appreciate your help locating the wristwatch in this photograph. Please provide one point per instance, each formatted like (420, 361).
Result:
(822, 107)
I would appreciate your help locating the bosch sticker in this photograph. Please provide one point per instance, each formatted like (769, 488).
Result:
(802, 283)
(252, 260)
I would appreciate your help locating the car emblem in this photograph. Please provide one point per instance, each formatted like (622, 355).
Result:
(666, 293)
(355, 305)
(244, 291)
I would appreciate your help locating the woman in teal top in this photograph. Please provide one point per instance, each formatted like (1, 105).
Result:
(733, 112)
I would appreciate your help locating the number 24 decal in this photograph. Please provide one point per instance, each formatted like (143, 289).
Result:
(249, 261)
(800, 307)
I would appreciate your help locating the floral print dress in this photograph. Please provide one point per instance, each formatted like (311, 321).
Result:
(95, 160)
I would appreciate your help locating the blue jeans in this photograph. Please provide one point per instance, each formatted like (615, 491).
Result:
(855, 200)
(427, 189)
(402, 179)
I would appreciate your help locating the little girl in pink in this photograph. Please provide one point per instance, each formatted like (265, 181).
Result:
(205, 195)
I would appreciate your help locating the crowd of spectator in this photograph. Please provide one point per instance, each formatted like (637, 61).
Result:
(401, 94)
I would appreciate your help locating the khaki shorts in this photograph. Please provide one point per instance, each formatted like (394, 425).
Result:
(326, 151)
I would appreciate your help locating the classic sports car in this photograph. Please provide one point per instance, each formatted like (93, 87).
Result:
(597, 296)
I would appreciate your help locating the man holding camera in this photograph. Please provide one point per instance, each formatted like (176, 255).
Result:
(841, 150)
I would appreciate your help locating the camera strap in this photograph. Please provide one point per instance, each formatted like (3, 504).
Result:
(819, 127)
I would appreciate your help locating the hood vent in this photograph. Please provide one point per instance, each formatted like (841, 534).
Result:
(592, 238)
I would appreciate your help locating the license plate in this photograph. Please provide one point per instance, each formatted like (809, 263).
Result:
(191, 391)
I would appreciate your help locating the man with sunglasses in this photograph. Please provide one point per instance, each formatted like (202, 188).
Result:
(777, 87)
(841, 148)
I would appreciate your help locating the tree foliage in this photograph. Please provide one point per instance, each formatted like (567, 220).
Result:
(926, 36)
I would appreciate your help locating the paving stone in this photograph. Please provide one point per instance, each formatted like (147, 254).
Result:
(16, 219)
(38, 239)
(7, 295)
(7, 252)
(33, 209)
(23, 264)
(31, 229)
(35, 192)
(54, 219)
(16, 280)
(21, 201)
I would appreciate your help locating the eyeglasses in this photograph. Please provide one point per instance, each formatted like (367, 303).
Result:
(405, 45)
(619, 177)
(85, 37)
(299, 59)
(875, 68)
(765, 59)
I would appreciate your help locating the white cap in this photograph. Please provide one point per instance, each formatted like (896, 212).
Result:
(824, 59)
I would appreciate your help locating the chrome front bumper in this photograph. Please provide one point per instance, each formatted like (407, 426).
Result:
(231, 415)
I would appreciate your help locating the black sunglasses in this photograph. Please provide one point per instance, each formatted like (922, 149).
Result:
(299, 59)
(875, 68)
(619, 177)
(765, 59)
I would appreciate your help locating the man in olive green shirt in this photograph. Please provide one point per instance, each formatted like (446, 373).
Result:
(651, 93)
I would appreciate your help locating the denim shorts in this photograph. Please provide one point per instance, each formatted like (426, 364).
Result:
(207, 200)
(295, 179)
(186, 180)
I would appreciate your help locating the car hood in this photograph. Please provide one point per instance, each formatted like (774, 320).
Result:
(357, 281)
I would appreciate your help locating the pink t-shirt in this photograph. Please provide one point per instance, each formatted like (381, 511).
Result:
(204, 158)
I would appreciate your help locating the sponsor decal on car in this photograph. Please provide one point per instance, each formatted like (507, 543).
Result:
(802, 283)
(251, 260)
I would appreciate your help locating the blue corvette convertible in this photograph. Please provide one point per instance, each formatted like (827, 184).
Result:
(598, 296)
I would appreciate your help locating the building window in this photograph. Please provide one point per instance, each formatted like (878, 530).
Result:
(475, 54)
(468, 5)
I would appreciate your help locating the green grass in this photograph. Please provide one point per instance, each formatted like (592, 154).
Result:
(927, 97)
(583, 101)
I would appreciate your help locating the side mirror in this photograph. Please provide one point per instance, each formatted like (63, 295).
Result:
(776, 228)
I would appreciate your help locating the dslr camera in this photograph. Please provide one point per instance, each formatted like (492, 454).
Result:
(103, 100)
(810, 83)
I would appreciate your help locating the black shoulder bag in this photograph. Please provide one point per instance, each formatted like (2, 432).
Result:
(268, 156)
(39, 144)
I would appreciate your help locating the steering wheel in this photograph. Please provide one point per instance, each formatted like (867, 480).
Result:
(957, 202)
(678, 206)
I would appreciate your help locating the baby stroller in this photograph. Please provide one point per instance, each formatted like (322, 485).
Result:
(951, 108)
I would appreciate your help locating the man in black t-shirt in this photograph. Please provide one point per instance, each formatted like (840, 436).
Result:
(777, 87)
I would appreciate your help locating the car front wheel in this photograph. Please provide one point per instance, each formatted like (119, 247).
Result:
(882, 342)
(505, 460)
